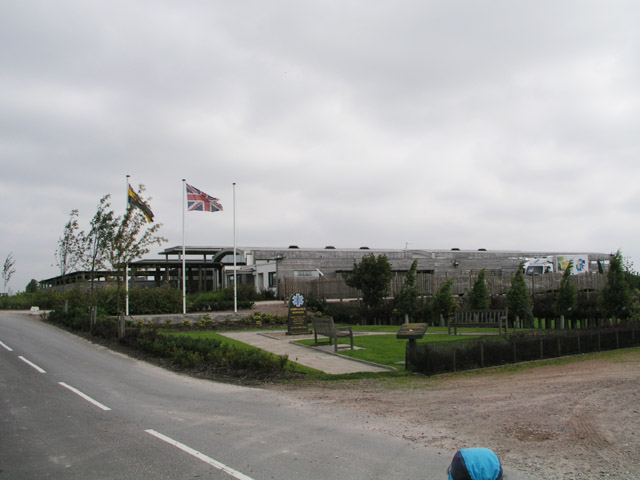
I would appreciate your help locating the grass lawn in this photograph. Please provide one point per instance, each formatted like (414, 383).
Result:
(381, 349)
(386, 349)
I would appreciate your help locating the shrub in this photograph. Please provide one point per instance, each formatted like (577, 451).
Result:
(207, 354)
(75, 318)
(343, 312)
(205, 322)
(223, 300)
(155, 300)
(267, 295)
(45, 299)
(543, 305)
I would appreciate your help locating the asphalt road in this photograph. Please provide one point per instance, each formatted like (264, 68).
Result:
(74, 410)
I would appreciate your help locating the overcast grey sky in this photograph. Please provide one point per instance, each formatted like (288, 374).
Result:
(471, 124)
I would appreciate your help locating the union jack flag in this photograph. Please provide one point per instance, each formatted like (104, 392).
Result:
(198, 201)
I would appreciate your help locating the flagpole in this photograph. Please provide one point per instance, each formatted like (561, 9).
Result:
(235, 267)
(126, 266)
(184, 275)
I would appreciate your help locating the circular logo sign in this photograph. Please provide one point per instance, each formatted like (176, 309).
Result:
(297, 300)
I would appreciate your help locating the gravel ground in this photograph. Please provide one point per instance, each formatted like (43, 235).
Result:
(580, 420)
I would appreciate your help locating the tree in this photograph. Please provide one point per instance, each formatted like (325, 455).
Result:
(128, 238)
(633, 277)
(518, 299)
(70, 246)
(407, 300)
(616, 295)
(479, 297)
(32, 286)
(567, 295)
(96, 242)
(444, 303)
(8, 270)
(372, 276)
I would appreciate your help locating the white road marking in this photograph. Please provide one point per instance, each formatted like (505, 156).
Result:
(6, 347)
(32, 364)
(200, 456)
(85, 396)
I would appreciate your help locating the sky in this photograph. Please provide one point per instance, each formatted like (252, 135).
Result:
(426, 124)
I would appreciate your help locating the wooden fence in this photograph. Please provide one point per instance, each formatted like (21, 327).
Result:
(428, 284)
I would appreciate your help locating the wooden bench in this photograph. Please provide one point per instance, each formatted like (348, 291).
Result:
(326, 328)
(479, 318)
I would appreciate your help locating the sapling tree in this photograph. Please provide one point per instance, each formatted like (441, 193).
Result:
(479, 297)
(70, 251)
(32, 286)
(96, 242)
(406, 302)
(567, 295)
(129, 238)
(518, 298)
(372, 276)
(616, 294)
(8, 270)
(444, 303)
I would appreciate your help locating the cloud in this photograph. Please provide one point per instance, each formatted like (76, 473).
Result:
(439, 124)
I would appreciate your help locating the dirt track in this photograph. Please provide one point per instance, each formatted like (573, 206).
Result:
(575, 421)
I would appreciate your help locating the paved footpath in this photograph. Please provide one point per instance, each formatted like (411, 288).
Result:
(321, 358)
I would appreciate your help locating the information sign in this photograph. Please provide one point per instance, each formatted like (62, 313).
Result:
(297, 322)
(412, 331)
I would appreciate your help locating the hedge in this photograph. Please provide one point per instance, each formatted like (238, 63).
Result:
(203, 355)
(433, 358)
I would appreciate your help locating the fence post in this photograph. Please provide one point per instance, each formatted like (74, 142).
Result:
(617, 340)
(454, 358)
(559, 348)
(93, 317)
(514, 353)
(121, 327)
(541, 349)
(482, 354)
(579, 335)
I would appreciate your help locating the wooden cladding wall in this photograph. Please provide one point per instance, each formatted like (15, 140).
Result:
(428, 284)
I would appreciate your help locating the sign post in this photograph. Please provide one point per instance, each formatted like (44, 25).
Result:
(411, 332)
(297, 323)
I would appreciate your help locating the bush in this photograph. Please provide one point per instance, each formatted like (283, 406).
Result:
(223, 300)
(155, 301)
(343, 312)
(543, 305)
(75, 318)
(142, 301)
(45, 299)
(265, 319)
(184, 352)
(105, 327)
(207, 354)
(267, 295)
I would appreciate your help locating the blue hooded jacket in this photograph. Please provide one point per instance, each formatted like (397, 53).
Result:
(475, 464)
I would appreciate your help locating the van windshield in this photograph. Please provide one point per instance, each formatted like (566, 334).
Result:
(535, 270)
